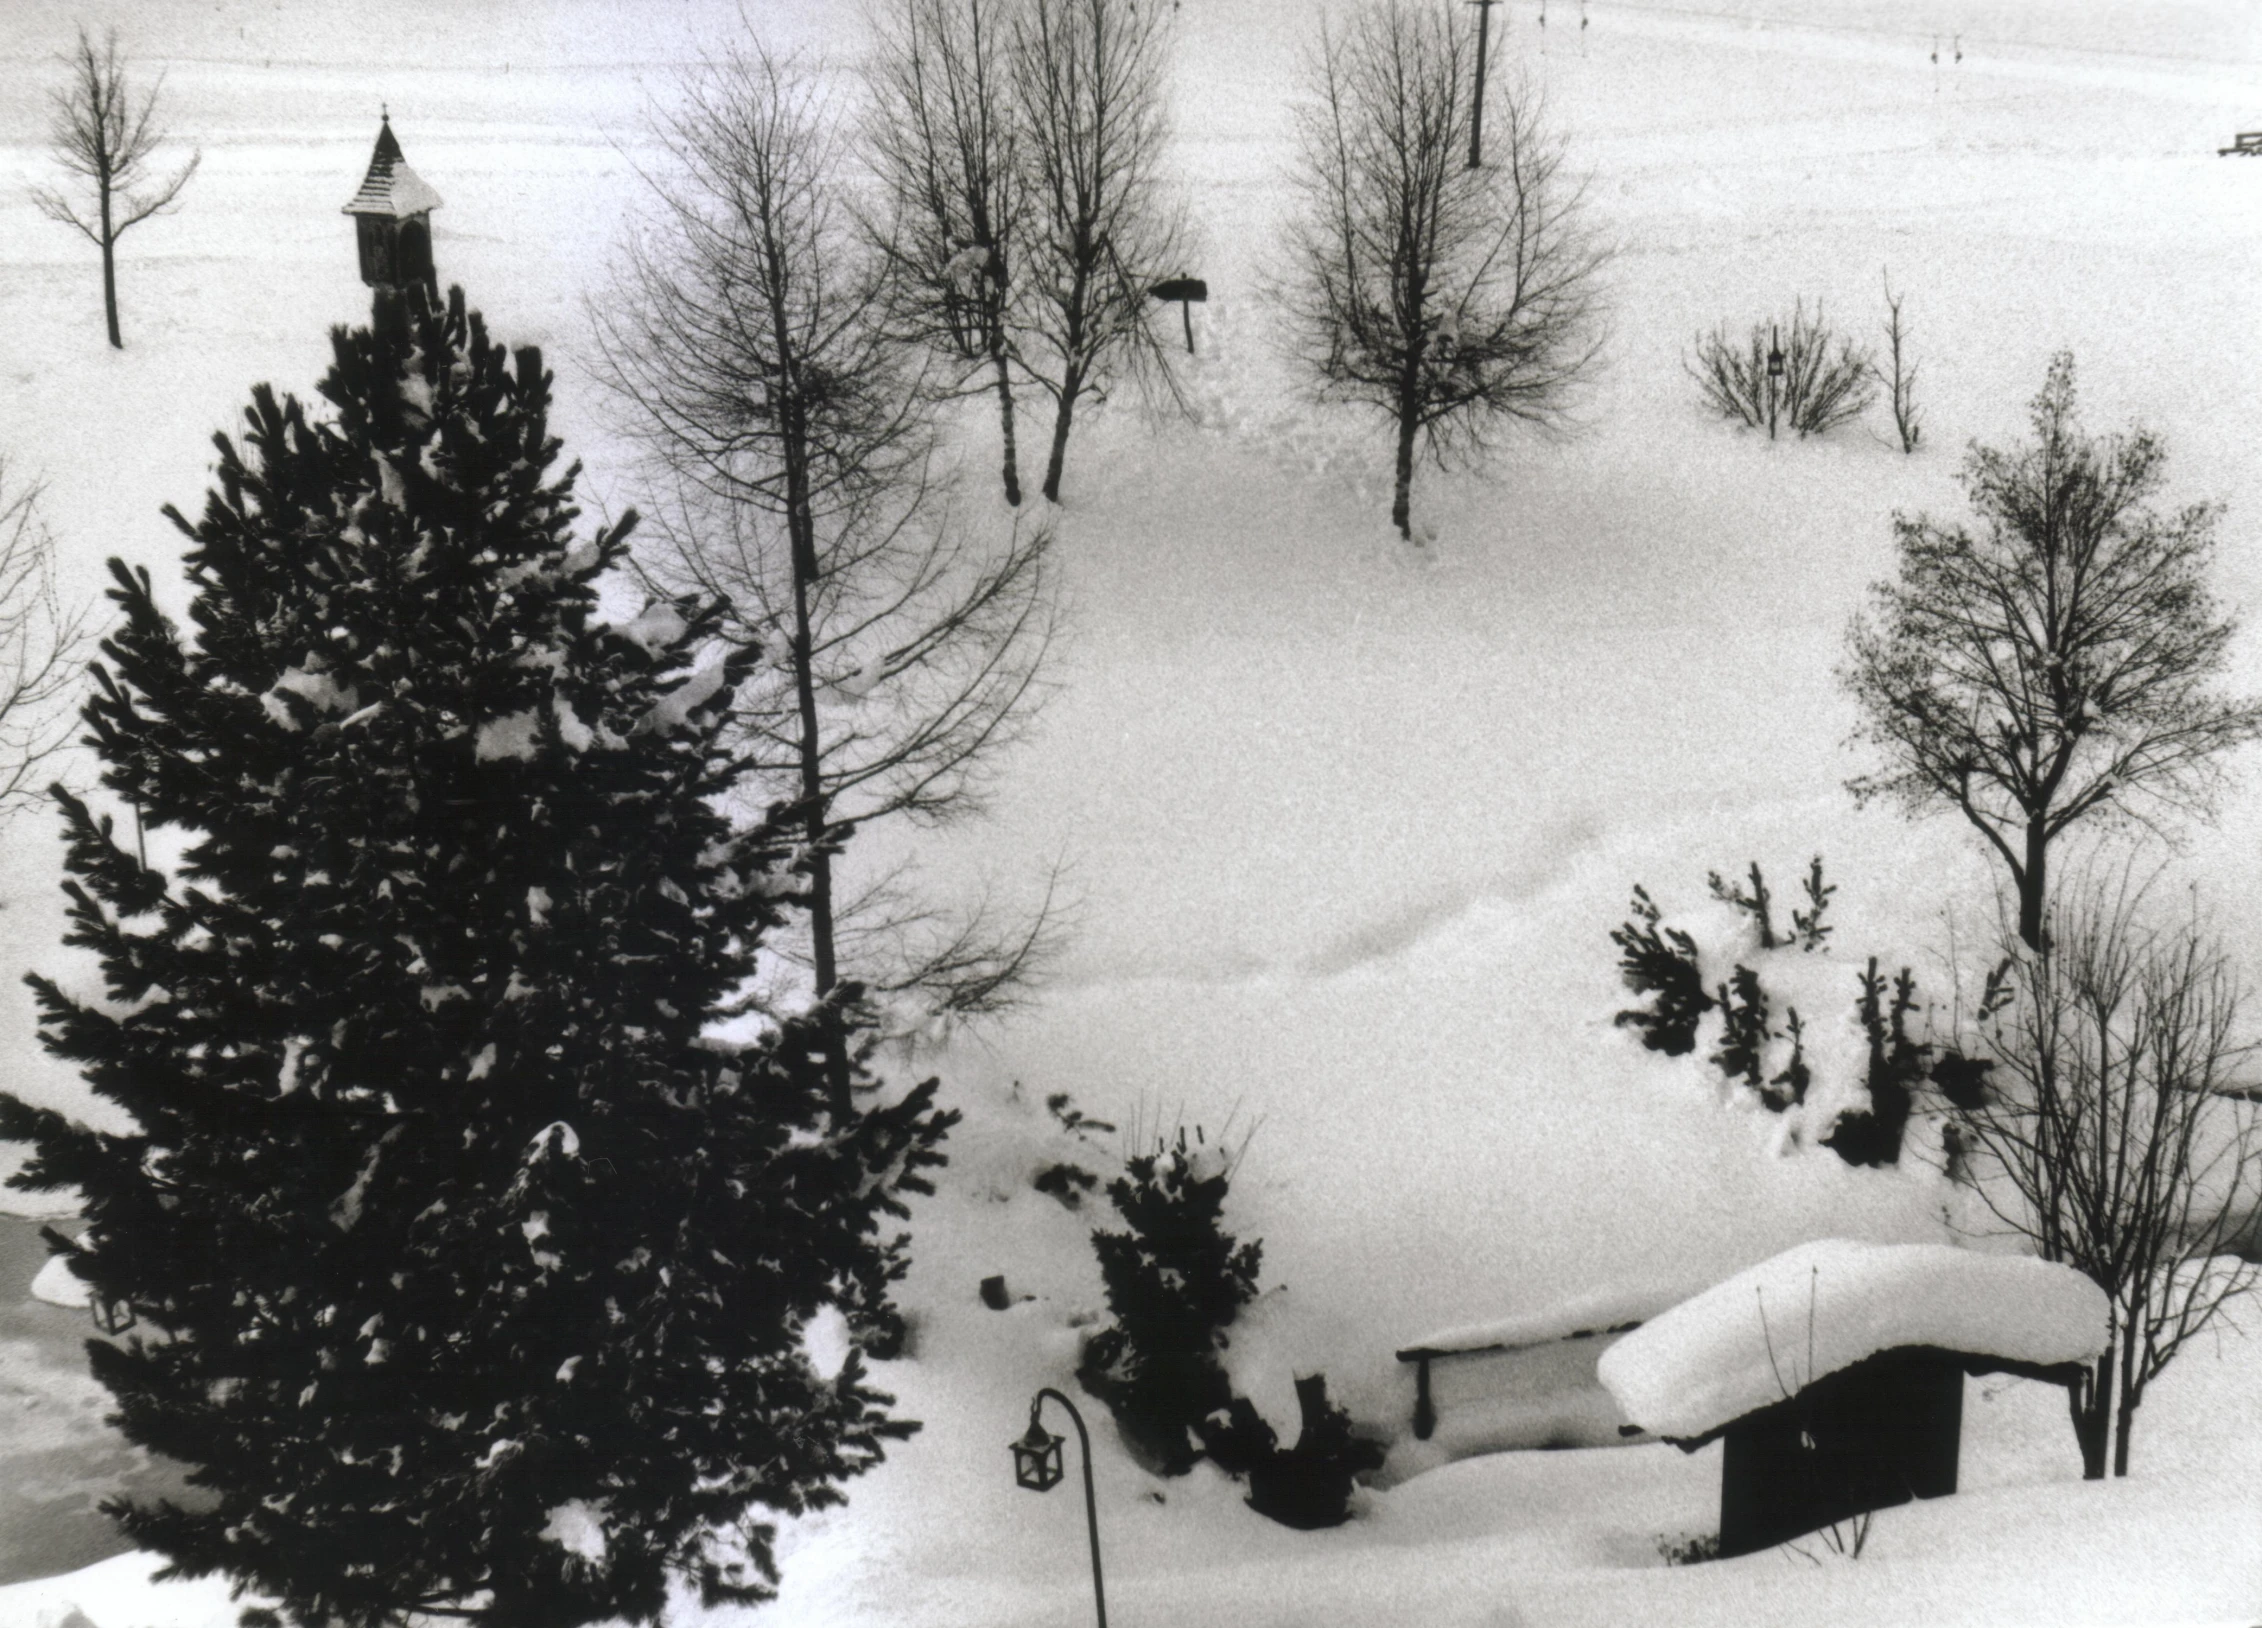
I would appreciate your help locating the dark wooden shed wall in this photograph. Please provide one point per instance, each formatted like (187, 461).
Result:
(1867, 1437)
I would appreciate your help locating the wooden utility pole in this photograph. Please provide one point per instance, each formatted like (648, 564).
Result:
(1476, 111)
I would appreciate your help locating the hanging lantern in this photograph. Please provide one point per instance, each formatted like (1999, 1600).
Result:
(112, 1317)
(1036, 1458)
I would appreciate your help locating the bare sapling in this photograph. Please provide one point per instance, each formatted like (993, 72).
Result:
(1899, 374)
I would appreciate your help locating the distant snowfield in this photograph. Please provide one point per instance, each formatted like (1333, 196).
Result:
(1346, 822)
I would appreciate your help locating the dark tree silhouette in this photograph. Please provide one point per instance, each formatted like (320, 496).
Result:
(103, 134)
(1453, 299)
(2060, 663)
(477, 1262)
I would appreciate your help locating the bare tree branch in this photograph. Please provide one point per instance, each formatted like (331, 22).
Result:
(750, 341)
(2062, 663)
(42, 643)
(1455, 300)
(947, 142)
(2118, 1135)
(1088, 79)
(103, 134)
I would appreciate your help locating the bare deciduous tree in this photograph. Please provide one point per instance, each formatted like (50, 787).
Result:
(105, 135)
(1452, 299)
(1899, 375)
(946, 141)
(748, 339)
(2062, 663)
(40, 645)
(1088, 81)
(2116, 1135)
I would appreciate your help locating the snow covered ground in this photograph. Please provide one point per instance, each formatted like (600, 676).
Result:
(1347, 822)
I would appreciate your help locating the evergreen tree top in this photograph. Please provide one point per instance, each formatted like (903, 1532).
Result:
(479, 1268)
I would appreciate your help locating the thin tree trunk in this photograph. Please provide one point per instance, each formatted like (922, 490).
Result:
(109, 270)
(801, 533)
(2130, 1396)
(1402, 499)
(2033, 884)
(1071, 386)
(1005, 423)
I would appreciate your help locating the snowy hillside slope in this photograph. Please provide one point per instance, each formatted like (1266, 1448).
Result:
(1347, 822)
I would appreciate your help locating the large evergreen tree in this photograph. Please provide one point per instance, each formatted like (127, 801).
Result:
(471, 1270)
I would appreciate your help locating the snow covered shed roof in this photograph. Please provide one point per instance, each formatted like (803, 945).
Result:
(1767, 1333)
(391, 188)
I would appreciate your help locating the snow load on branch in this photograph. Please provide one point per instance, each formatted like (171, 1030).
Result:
(1768, 1333)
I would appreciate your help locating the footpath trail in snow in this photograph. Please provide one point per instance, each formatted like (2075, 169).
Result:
(1347, 822)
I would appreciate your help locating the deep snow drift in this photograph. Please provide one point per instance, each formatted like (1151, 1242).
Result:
(1347, 822)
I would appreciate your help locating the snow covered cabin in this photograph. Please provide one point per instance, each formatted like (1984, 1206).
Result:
(392, 218)
(1834, 1373)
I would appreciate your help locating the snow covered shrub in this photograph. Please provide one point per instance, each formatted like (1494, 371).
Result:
(1175, 1281)
(1784, 374)
(1662, 964)
(478, 1266)
(1780, 1020)
(1064, 1179)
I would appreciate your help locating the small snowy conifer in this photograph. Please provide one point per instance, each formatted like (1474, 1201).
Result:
(1175, 1280)
(470, 1273)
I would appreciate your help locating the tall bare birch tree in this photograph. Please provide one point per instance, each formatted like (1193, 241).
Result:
(105, 135)
(748, 338)
(1454, 300)
(1088, 77)
(946, 141)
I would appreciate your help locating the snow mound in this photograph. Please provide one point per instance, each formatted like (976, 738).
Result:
(1769, 1332)
(58, 1285)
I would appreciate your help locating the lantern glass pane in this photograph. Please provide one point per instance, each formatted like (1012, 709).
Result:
(1037, 1468)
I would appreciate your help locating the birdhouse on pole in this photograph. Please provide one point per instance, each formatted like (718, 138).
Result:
(392, 217)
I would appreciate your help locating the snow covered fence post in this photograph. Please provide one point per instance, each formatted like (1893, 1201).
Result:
(478, 1265)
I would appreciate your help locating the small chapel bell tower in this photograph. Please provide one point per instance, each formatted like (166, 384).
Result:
(392, 219)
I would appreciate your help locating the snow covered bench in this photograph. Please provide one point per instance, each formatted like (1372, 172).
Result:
(2246, 144)
(1520, 1382)
(1835, 1373)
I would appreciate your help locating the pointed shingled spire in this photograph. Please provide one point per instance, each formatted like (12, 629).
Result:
(391, 188)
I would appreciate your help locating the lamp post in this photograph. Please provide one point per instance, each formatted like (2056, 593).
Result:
(1037, 1466)
(1774, 374)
